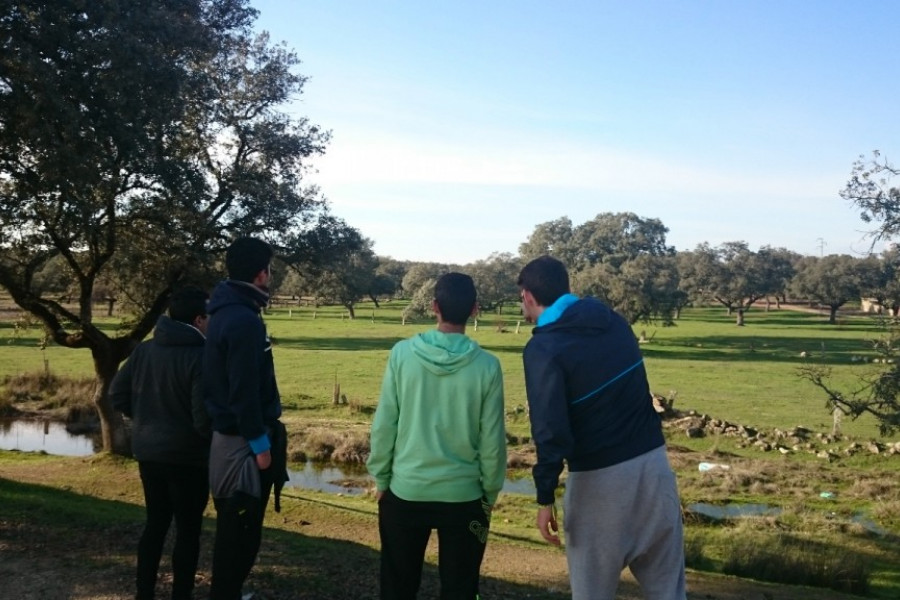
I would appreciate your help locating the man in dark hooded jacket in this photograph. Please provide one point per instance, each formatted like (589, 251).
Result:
(160, 389)
(247, 453)
(591, 409)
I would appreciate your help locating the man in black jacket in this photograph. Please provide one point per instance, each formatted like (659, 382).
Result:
(160, 389)
(590, 408)
(247, 456)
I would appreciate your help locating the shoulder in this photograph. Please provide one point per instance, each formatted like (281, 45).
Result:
(487, 359)
(236, 316)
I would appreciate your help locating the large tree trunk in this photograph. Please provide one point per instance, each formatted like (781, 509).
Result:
(832, 317)
(112, 423)
(350, 310)
(740, 317)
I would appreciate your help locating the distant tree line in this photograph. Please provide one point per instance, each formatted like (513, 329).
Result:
(624, 260)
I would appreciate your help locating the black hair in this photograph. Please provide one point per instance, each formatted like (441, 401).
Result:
(546, 278)
(188, 303)
(455, 296)
(246, 257)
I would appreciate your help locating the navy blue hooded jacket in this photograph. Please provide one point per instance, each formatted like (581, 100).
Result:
(588, 394)
(238, 371)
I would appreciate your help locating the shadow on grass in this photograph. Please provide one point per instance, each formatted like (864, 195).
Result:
(59, 544)
(760, 349)
(344, 344)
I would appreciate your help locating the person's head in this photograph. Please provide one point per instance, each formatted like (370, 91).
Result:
(455, 298)
(542, 281)
(247, 259)
(188, 305)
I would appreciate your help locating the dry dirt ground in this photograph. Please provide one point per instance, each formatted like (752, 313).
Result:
(314, 549)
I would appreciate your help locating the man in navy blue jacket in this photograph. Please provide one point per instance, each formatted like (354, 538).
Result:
(246, 458)
(590, 408)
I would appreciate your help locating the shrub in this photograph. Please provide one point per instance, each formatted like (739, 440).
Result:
(6, 407)
(26, 387)
(353, 448)
(50, 390)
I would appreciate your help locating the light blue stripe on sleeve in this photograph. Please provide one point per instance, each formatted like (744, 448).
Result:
(610, 382)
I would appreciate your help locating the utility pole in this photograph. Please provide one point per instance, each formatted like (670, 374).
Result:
(822, 245)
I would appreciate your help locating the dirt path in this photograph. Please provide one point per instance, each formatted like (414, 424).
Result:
(317, 547)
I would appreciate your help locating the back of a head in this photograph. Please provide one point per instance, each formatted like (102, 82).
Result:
(188, 303)
(246, 257)
(456, 297)
(546, 278)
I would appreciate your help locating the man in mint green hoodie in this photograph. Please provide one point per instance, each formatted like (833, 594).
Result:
(438, 450)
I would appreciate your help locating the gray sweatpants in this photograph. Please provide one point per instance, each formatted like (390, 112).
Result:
(625, 515)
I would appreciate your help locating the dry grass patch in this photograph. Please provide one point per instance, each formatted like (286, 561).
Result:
(51, 396)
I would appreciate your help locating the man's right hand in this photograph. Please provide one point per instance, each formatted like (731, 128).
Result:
(264, 460)
(547, 525)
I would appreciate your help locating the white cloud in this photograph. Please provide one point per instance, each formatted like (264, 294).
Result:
(381, 160)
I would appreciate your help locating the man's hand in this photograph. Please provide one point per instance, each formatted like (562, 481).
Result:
(264, 460)
(547, 525)
(378, 495)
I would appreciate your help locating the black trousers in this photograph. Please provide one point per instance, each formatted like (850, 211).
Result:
(405, 527)
(239, 524)
(182, 492)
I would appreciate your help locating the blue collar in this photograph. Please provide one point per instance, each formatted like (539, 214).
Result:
(555, 310)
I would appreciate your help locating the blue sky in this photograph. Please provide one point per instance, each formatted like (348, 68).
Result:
(459, 126)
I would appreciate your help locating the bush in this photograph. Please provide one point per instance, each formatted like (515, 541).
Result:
(342, 447)
(50, 392)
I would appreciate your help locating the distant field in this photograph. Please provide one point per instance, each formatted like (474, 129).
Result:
(743, 374)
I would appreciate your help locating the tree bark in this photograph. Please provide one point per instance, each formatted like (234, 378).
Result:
(112, 423)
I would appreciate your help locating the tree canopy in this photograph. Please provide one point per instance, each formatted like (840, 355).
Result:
(619, 257)
(871, 191)
(137, 140)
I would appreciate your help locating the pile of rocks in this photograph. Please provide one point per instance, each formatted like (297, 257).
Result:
(795, 440)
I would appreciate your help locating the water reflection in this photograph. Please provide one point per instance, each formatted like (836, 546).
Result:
(52, 438)
(721, 512)
(315, 476)
(354, 480)
(43, 436)
(733, 511)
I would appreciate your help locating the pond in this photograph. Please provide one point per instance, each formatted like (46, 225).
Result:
(43, 436)
(354, 480)
(722, 512)
(51, 437)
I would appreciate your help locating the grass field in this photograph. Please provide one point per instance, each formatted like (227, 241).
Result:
(743, 374)
(746, 375)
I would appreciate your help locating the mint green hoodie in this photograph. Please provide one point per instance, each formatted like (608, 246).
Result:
(438, 433)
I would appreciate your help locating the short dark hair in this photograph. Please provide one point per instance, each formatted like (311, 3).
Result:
(455, 296)
(546, 278)
(246, 257)
(188, 303)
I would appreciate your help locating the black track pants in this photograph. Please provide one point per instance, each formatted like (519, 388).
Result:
(405, 527)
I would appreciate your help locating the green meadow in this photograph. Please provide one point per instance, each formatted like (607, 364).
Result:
(746, 375)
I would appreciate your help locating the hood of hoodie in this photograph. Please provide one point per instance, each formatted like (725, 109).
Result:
(444, 353)
(169, 332)
(585, 314)
(230, 292)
